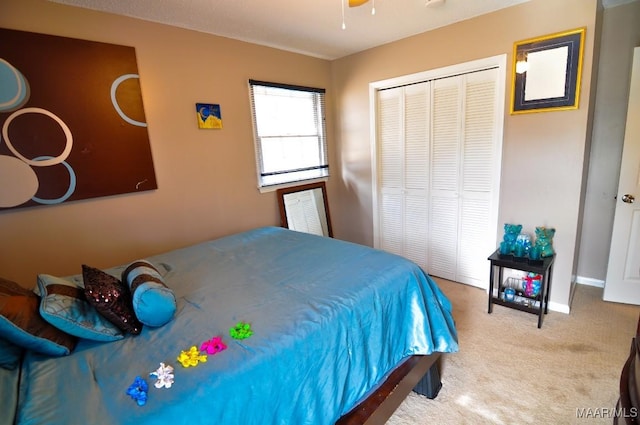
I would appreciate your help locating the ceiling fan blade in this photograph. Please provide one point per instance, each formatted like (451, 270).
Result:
(355, 3)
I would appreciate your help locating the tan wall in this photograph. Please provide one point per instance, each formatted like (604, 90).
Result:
(206, 178)
(542, 152)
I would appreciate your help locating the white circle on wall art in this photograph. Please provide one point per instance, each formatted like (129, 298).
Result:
(24, 182)
(114, 101)
(13, 87)
(70, 190)
(54, 160)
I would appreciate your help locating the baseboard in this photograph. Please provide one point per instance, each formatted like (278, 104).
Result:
(560, 308)
(564, 308)
(589, 281)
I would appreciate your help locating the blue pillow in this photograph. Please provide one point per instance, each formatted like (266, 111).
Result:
(21, 324)
(153, 302)
(63, 304)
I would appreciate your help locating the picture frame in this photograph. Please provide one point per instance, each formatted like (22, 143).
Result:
(547, 72)
(209, 115)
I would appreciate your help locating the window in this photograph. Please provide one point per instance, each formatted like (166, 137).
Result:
(289, 131)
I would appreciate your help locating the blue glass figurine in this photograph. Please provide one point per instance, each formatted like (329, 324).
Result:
(544, 240)
(511, 232)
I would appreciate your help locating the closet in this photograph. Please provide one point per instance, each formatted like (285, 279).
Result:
(437, 152)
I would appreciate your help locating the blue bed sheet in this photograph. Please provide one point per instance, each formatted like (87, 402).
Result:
(8, 394)
(330, 320)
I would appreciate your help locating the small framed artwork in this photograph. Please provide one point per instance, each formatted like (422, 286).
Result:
(547, 72)
(209, 115)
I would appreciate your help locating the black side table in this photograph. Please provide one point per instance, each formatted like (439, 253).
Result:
(539, 304)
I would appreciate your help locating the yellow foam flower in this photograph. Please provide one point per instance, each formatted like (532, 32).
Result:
(192, 357)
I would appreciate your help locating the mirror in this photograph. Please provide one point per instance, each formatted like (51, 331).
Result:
(305, 209)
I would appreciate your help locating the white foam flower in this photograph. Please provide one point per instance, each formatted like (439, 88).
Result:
(164, 375)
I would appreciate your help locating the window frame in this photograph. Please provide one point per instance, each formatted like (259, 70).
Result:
(296, 175)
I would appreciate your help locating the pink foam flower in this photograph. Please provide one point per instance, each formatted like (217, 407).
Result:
(213, 346)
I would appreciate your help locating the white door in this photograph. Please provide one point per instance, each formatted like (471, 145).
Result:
(623, 272)
(436, 168)
(402, 171)
(465, 161)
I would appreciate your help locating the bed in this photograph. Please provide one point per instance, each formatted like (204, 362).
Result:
(628, 405)
(328, 324)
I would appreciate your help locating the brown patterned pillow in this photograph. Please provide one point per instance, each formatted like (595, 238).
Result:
(22, 325)
(111, 298)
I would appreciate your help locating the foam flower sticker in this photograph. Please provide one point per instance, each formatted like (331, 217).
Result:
(213, 346)
(241, 330)
(164, 376)
(138, 391)
(191, 357)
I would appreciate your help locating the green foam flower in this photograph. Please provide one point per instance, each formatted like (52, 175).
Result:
(241, 330)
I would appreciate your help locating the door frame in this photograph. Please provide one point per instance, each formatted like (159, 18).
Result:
(500, 63)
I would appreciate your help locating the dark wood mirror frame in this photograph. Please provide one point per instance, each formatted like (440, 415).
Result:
(284, 222)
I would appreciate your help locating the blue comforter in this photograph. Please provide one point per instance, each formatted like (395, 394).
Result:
(330, 320)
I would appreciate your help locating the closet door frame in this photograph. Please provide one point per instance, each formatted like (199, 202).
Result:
(499, 62)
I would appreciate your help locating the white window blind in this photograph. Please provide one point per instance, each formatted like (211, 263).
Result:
(289, 131)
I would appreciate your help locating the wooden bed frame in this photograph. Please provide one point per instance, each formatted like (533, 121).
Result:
(418, 373)
(628, 406)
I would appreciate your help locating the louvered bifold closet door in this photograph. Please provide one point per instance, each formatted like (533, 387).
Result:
(445, 153)
(390, 116)
(403, 160)
(437, 171)
(416, 171)
(462, 166)
(478, 162)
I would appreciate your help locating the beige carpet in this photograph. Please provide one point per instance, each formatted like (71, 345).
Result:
(510, 372)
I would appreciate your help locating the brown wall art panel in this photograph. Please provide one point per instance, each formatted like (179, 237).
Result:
(72, 120)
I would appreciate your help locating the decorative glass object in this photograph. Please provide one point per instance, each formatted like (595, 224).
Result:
(511, 232)
(534, 252)
(544, 240)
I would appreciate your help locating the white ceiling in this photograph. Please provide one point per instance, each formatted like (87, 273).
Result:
(312, 27)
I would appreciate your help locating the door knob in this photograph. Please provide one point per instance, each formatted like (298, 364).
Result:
(628, 198)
